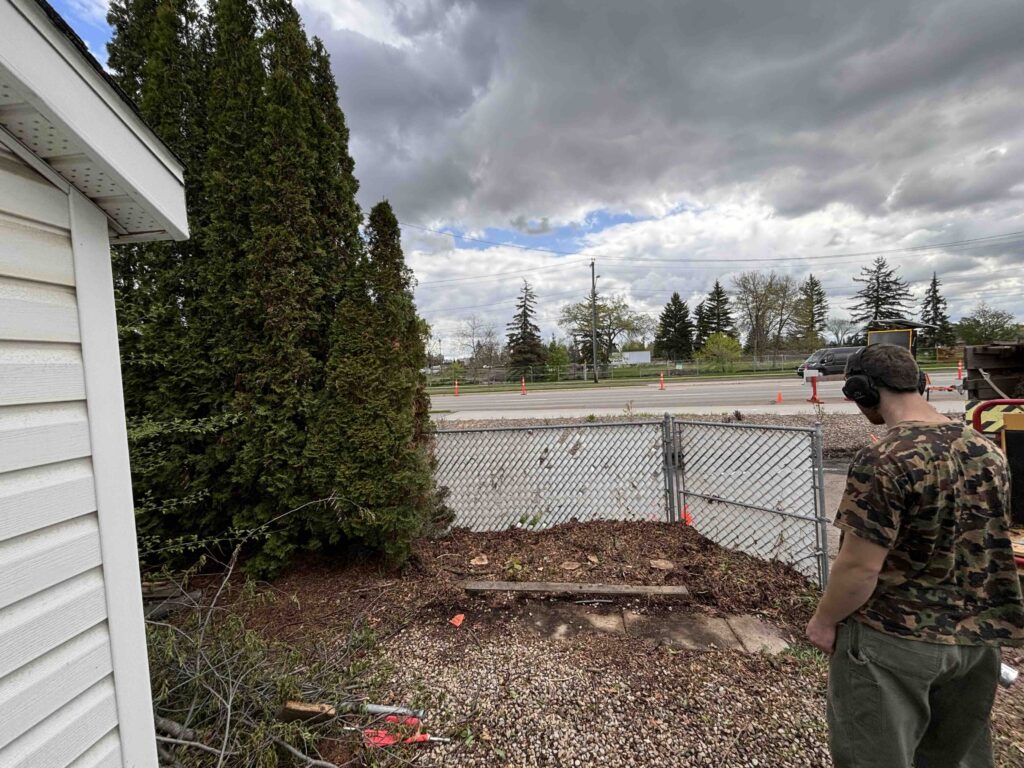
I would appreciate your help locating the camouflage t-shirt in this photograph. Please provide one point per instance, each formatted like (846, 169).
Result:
(937, 497)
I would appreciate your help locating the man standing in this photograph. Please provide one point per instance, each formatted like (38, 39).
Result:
(924, 589)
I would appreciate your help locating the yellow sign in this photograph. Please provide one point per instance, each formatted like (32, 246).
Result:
(992, 418)
(902, 337)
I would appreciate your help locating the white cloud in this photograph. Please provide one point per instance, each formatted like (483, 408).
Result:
(754, 130)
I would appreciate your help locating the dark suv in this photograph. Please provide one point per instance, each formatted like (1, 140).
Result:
(830, 360)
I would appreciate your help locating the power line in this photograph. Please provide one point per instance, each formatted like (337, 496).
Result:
(496, 275)
(908, 251)
(618, 263)
(499, 302)
(979, 241)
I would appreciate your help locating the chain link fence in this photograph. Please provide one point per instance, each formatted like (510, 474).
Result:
(754, 488)
(757, 489)
(543, 476)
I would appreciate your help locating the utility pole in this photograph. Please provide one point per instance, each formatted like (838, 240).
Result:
(593, 317)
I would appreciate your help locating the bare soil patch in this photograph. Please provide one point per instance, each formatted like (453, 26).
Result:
(322, 595)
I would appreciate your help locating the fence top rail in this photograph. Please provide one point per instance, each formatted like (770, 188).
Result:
(736, 425)
(586, 425)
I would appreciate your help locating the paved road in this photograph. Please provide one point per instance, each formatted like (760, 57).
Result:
(678, 397)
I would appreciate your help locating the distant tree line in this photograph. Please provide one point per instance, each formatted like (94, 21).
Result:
(770, 312)
(773, 313)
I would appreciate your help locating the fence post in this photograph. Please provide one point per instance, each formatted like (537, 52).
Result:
(819, 499)
(670, 470)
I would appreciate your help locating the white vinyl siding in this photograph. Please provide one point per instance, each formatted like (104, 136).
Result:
(57, 689)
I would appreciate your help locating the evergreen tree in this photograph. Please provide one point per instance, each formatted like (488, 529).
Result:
(557, 356)
(885, 295)
(334, 197)
(131, 23)
(934, 313)
(275, 358)
(380, 476)
(701, 326)
(525, 348)
(279, 370)
(219, 329)
(236, 119)
(811, 313)
(674, 338)
(719, 313)
(159, 52)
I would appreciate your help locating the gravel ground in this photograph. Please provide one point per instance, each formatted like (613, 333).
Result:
(845, 433)
(511, 698)
(595, 700)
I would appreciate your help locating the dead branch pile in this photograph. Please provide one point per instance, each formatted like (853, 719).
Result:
(218, 686)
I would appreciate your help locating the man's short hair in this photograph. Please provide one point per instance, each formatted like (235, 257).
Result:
(890, 366)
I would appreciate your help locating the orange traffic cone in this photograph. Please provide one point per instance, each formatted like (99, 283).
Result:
(686, 518)
(778, 398)
(522, 385)
(662, 384)
(456, 387)
(959, 370)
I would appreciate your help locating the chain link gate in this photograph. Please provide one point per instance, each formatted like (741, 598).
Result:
(755, 488)
(758, 489)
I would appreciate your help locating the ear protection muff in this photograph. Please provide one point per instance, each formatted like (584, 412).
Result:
(859, 386)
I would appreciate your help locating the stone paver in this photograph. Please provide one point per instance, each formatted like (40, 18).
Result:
(688, 632)
(694, 631)
(757, 635)
(561, 620)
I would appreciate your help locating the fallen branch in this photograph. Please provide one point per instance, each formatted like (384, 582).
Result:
(302, 755)
(192, 744)
(171, 728)
(164, 757)
(166, 606)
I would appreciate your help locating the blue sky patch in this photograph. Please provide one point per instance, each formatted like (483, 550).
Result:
(88, 19)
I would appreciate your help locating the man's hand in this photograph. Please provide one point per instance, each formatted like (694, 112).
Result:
(822, 635)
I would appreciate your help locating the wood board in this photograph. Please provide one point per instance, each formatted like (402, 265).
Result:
(572, 588)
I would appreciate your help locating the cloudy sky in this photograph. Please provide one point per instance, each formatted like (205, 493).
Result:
(677, 142)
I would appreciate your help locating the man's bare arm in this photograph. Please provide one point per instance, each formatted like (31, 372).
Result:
(851, 582)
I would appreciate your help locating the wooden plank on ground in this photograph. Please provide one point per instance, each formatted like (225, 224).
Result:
(300, 710)
(572, 588)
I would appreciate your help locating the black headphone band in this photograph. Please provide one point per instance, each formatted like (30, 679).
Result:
(855, 367)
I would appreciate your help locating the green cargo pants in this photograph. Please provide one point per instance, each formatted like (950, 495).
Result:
(895, 703)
